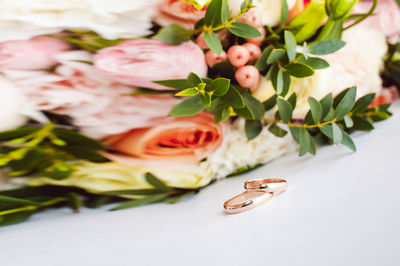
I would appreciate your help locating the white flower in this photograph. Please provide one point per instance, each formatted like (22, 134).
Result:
(14, 110)
(237, 152)
(357, 64)
(111, 19)
(270, 9)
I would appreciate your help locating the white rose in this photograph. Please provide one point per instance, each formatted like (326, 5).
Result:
(111, 19)
(270, 9)
(11, 102)
(359, 64)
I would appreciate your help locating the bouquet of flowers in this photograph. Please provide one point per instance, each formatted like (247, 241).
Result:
(137, 102)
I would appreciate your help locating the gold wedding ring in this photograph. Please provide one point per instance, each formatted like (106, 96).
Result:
(247, 201)
(267, 185)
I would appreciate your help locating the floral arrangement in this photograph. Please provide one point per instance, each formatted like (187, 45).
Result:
(138, 102)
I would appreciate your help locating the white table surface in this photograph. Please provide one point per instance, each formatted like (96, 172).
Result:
(341, 208)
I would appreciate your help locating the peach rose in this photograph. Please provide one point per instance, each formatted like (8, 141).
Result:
(140, 62)
(178, 12)
(37, 53)
(386, 17)
(190, 139)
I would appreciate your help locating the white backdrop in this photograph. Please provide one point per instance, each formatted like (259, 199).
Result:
(341, 208)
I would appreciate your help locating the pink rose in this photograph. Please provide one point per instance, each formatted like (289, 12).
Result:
(189, 139)
(386, 17)
(139, 62)
(178, 12)
(37, 53)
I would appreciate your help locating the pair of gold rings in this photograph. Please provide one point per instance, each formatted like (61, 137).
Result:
(257, 192)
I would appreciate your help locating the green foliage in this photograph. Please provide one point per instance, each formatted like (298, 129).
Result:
(326, 46)
(173, 34)
(213, 42)
(244, 30)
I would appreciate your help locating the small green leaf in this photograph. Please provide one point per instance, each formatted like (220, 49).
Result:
(336, 133)
(213, 42)
(326, 104)
(18, 201)
(276, 54)
(217, 13)
(279, 86)
(261, 63)
(187, 92)
(189, 107)
(17, 133)
(348, 142)
(206, 98)
(255, 106)
(299, 70)
(362, 124)
(295, 131)
(315, 62)
(244, 30)
(284, 11)
(270, 103)
(220, 86)
(233, 98)
(156, 183)
(316, 109)
(346, 104)
(290, 45)
(285, 110)
(363, 103)
(277, 131)
(194, 80)
(140, 202)
(326, 46)
(348, 121)
(307, 144)
(293, 100)
(173, 34)
(73, 138)
(180, 84)
(253, 128)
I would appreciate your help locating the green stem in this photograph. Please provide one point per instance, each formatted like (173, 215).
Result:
(32, 207)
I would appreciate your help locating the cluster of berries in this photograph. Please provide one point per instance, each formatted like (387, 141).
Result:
(240, 56)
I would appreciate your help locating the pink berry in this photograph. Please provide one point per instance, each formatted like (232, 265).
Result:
(238, 55)
(200, 41)
(254, 50)
(212, 58)
(258, 40)
(247, 77)
(253, 17)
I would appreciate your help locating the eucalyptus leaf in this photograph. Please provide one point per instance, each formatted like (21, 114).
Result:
(220, 86)
(261, 63)
(316, 109)
(290, 45)
(244, 30)
(189, 107)
(285, 110)
(299, 70)
(173, 34)
(326, 46)
(213, 42)
(253, 128)
(346, 104)
(277, 131)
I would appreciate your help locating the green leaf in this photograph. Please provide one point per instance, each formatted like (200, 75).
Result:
(255, 106)
(279, 86)
(299, 70)
(16, 133)
(140, 202)
(293, 100)
(220, 86)
(307, 144)
(362, 124)
(244, 30)
(270, 103)
(285, 110)
(194, 80)
(348, 121)
(336, 134)
(217, 13)
(233, 98)
(83, 152)
(75, 200)
(206, 98)
(189, 107)
(315, 62)
(276, 54)
(348, 142)
(290, 45)
(15, 218)
(284, 11)
(177, 198)
(295, 131)
(213, 42)
(362, 104)
(346, 104)
(173, 34)
(326, 46)
(73, 138)
(18, 201)
(316, 109)
(261, 63)
(133, 192)
(187, 92)
(253, 128)
(156, 183)
(277, 131)
(180, 84)
(326, 104)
